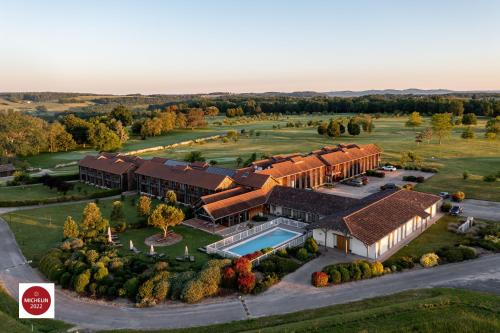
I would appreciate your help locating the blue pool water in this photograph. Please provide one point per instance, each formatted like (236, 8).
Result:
(272, 238)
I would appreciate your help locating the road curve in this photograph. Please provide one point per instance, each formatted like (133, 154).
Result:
(283, 298)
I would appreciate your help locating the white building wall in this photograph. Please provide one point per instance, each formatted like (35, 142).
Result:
(319, 236)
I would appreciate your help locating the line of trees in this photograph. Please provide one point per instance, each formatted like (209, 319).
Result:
(336, 127)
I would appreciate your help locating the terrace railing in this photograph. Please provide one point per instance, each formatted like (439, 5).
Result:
(216, 248)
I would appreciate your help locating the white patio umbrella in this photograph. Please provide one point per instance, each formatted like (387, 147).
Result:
(131, 245)
(110, 238)
(186, 252)
(152, 250)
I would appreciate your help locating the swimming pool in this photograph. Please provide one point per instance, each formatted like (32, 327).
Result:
(272, 238)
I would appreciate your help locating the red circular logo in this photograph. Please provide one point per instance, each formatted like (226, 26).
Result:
(36, 300)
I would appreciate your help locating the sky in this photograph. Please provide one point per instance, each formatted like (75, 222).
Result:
(189, 46)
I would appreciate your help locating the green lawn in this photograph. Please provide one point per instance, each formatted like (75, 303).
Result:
(427, 310)
(434, 238)
(38, 230)
(478, 156)
(39, 191)
(10, 323)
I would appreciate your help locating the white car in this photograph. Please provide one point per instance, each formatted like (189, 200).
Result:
(389, 168)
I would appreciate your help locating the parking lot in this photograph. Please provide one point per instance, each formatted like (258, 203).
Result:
(395, 177)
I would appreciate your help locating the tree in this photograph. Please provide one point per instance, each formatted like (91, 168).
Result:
(410, 158)
(171, 198)
(70, 229)
(196, 118)
(322, 129)
(79, 129)
(456, 107)
(104, 139)
(441, 125)
(117, 214)
(92, 222)
(164, 217)
(469, 119)
(353, 128)
(239, 160)
(493, 125)
(144, 206)
(58, 139)
(211, 111)
(181, 120)
(194, 156)
(333, 129)
(427, 134)
(122, 114)
(117, 127)
(21, 134)
(468, 133)
(414, 120)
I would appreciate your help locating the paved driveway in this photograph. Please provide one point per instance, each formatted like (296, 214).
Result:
(480, 209)
(374, 184)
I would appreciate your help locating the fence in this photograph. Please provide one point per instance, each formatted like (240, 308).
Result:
(216, 248)
(466, 225)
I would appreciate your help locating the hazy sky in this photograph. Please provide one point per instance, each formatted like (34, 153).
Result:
(243, 46)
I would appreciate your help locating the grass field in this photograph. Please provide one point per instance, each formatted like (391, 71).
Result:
(39, 191)
(434, 238)
(10, 323)
(427, 310)
(479, 157)
(38, 230)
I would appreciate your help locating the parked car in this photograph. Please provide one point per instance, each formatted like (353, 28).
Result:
(389, 186)
(354, 182)
(389, 168)
(456, 210)
(444, 195)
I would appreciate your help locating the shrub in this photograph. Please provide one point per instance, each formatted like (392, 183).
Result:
(420, 179)
(311, 245)
(193, 291)
(429, 260)
(246, 282)
(211, 278)
(366, 270)
(465, 175)
(145, 293)
(92, 256)
(229, 278)
(446, 207)
(265, 283)
(279, 266)
(406, 262)
(302, 254)
(345, 275)
(81, 282)
(282, 253)
(335, 276)
(161, 266)
(160, 291)
(65, 280)
(490, 178)
(458, 196)
(242, 265)
(375, 173)
(467, 252)
(220, 263)
(356, 272)
(429, 169)
(319, 279)
(451, 254)
(377, 268)
(131, 287)
(101, 273)
(178, 282)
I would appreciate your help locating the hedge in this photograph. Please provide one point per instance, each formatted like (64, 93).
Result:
(358, 270)
(375, 173)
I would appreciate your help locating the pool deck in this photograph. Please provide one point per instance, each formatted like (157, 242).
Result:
(282, 226)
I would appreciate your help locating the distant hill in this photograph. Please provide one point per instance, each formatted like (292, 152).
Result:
(412, 91)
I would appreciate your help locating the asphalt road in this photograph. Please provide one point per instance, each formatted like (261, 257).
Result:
(481, 209)
(288, 296)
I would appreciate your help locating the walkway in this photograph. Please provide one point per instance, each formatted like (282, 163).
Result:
(292, 294)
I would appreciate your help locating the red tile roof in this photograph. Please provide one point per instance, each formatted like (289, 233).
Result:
(206, 199)
(182, 174)
(114, 165)
(378, 219)
(251, 179)
(345, 153)
(236, 204)
(295, 165)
